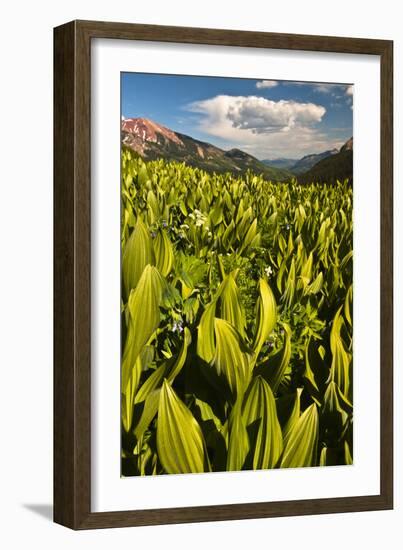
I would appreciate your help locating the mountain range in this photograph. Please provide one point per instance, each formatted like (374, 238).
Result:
(152, 140)
(338, 166)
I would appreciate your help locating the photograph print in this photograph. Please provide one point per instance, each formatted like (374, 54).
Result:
(237, 274)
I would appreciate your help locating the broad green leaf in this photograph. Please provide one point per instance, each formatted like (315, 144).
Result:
(348, 305)
(274, 368)
(231, 357)
(260, 408)
(250, 236)
(230, 304)
(167, 370)
(164, 255)
(149, 411)
(341, 359)
(180, 440)
(306, 271)
(128, 394)
(142, 175)
(205, 333)
(302, 444)
(147, 297)
(336, 408)
(348, 458)
(227, 236)
(288, 295)
(152, 203)
(266, 315)
(293, 417)
(238, 441)
(315, 286)
(207, 413)
(308, 374)
(137, 254)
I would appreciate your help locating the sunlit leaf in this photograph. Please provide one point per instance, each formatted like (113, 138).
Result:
(231, 357)
(164, 255)
(274, 368)
(180, 440)
(266, 315)
(238, 441)
(259, 410)
(293, 417)
(301, 448)
(146, 297)
(288, 295)
(230, 304)
(205, 333)
(341, 359)
(167, 370)
(137, 254)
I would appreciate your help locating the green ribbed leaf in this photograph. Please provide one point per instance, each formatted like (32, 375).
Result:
(167, 370)
(250, 236)
(336, 408)
(137, 254)
(293, 416)
(277, 365)
(180, 440)
(348, 305)
(315, 286)
(348, 458)
(231, 357)
(309, 375)
(164, 254)
(238, 441)
(230, 304)
(302, 444)
(306, 271)
(259, 409)
(341, 359)
(147, 297)
(152, 203)
(288, 295)
(149, 411)
(266, 315)
(205, 333)
(128, 394)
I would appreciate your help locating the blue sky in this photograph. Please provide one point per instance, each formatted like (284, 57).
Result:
(266, 118)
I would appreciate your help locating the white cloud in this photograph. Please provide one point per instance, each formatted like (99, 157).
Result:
(263, 127)
(266, 84)
(327, 88)
(258, 114)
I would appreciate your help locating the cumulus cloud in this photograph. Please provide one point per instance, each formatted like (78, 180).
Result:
(261, 126)
(266, 84)
(349, 90)
(258, 114)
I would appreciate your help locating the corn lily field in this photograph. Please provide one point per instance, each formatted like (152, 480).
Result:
(236, 321)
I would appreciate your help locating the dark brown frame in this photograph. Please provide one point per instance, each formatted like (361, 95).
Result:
(72, 320)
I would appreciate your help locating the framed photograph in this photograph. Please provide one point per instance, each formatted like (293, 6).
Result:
(222, 274)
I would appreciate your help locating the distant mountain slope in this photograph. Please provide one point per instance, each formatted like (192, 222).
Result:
(336, 167)
(246, 161)
(285, 164)
(307, 162)
(152, 140)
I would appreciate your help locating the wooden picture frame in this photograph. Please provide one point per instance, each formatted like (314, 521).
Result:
(72, 271)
